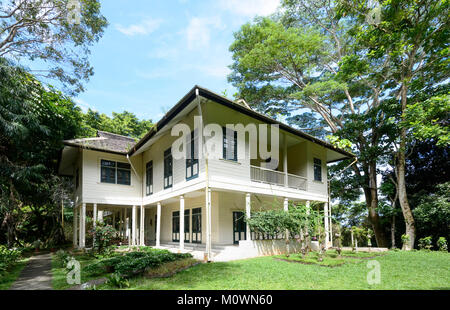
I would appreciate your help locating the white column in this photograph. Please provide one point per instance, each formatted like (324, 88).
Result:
(286, 209)
(133, 226)
(75, 227)
(331, 225)
(142, 226)
(285, 161)
(95, 214)
(247, 215)
(100, 216)
(208, 224)
(308, 207)
(181, 222)
(158, 224)
(83, 226)
(127, 226)
(325, 211)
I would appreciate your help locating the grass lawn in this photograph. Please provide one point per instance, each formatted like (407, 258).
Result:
(59, 281)
(399, 270)
(12, 274)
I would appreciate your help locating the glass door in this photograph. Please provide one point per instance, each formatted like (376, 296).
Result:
(176, 226)
(197, 225)
(239, 227)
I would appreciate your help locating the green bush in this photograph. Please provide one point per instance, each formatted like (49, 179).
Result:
(133, 263)
(117, 281)
(103, 236)
(442, 244)
(8, 257)
(425, 243)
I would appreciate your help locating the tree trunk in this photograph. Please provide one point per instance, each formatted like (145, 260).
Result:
(371, 193)
(393, 231)
(401, 164)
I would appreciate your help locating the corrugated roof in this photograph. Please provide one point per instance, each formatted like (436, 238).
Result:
(105, 141)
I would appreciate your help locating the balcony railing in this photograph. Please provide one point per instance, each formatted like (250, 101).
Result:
(269, 176)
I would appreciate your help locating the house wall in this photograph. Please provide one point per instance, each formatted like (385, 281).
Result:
(95, 191)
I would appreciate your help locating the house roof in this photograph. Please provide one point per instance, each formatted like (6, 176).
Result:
(105, 141)
(205, 93)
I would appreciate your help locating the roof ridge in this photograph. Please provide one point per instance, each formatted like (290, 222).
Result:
(114, 134)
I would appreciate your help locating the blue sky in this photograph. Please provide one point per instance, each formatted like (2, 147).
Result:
(153, 52)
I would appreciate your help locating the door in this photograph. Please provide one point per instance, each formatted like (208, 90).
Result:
(176, 226)
(239, 227)
(187, 214)
(197, 225)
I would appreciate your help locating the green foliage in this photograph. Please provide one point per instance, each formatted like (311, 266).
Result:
(40, 30)
(442, 244)
(425, 243)
(430, 119)
(8, 257)
(134, 263)
(405, 239)
(117, 280)
(432, 214)
(103, 236)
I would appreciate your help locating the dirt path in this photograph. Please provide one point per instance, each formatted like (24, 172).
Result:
(37, 274)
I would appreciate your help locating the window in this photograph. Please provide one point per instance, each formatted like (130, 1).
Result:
(149, 178)
(115, 172)
(229, 144)
(77, 178)
(317, 170)
(192, 156)
(168, 178)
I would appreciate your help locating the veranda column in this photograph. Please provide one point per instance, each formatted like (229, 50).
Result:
(208, 225)
(325, 211)
(141, 226)
(285, 162)
(286, 209)
(248, 201)
(100, 216)
(127, 226)
(158, 224)
(331, 224)
(95, 214)
(181, 222)
(133, 226)
(75, 227)
(83, 226)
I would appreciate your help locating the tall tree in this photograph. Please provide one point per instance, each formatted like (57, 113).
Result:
(411, 37)
(293, 61)
(59, 33)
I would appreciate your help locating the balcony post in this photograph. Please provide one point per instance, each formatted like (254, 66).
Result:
(158, 224)
(248, 235)
(142, 227)
(325, 211)
(75, 227)
(181, 223)
(285, 161)
(133, 226)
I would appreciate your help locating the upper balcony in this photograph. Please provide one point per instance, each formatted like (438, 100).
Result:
(274, 177)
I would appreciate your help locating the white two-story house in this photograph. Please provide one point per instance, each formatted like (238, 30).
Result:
(200, 202)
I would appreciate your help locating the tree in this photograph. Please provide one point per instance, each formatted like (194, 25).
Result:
(411, 38)
(293, 62)
(52, 32)
(33, 122)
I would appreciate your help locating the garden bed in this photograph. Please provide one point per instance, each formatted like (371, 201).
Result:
(312, 259)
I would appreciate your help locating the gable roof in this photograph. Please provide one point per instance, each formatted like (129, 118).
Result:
(105, 142)
(205, 93)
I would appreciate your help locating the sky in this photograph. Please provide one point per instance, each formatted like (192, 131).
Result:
(153, 52)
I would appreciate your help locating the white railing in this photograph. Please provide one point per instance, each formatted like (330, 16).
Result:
(264, 175)
(297, 182)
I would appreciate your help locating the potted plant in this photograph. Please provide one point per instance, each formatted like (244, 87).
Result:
(37, 244)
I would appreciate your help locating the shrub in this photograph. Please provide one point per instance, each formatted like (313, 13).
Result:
(405, 240)
(8, 257)
(103, 236)
(62, 257)
(117, 281)
(442, 244)
(425, 243)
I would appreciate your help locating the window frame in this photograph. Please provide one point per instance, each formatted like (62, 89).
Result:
(317, 163)
(193, 160)
(149, 179)
(168, 174)
(115, 167)
(225, 144)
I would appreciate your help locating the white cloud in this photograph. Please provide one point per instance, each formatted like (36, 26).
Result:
(143, 28)
(250, 8)
(198, 31)
(84, 106)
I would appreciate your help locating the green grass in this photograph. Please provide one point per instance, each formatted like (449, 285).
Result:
(12, 274)
(399, 270)
(312, 258)
(59, 281)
